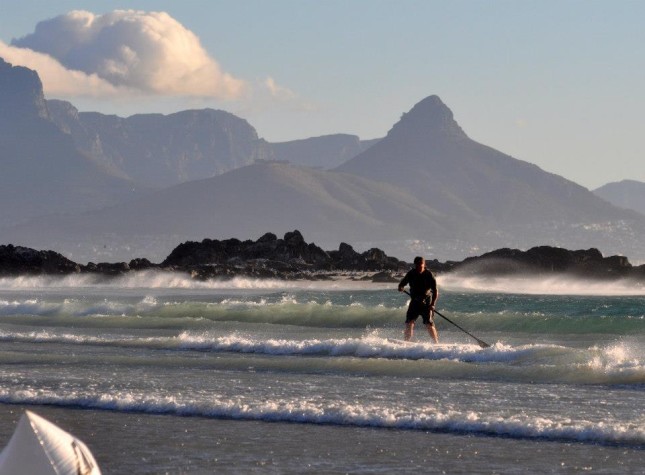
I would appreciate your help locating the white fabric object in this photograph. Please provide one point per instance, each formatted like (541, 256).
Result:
(39, 447)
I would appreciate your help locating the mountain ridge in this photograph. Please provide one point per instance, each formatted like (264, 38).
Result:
(426, 188)
(159, 150)
(443, 165)
(628, 194)
(42, 172)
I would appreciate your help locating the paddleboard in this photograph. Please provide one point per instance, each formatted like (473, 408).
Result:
(396, 340)
(428, 341)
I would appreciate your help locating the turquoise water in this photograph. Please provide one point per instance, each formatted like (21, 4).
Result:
(155, 354)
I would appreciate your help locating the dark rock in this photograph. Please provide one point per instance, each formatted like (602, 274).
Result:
(639, 272)
(294, 239)
(290, 257)
(384, 276)
(268, 237)
(293, 258)
(439, 267)
(17, 260)
(141, 264)
(346, 258)
(209, 251)
(588, 263)
(107, 268)
(292, 248)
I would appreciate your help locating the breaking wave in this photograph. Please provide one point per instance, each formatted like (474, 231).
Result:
(617, 363)
(307, 411)
(154, 279)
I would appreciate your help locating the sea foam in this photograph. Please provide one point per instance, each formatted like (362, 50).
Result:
(618, 363)
(424, 417)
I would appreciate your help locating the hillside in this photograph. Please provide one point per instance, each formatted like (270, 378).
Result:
(328, 151)
(628, 194)
(246, 202)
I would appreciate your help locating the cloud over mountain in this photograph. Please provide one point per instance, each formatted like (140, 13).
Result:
(148, 52)
(58, 80)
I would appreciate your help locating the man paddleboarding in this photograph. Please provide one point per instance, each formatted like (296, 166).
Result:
(424, 295)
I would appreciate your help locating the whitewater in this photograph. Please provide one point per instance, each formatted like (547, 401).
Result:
(159, 373)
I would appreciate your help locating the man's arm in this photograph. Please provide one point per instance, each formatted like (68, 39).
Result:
(435, 296)
(403, 282)
(434, 289)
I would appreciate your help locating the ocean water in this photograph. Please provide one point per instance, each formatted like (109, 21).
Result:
(157, 373)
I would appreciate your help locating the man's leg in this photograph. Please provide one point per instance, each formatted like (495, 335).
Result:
(433, 332)
(409, 331)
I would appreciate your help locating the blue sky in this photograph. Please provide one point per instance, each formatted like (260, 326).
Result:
(555, 83)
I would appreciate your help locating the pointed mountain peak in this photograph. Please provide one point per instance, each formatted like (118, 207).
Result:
(431, 106)
(428, 117)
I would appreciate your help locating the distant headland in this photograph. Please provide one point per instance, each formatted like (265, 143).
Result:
(292, 258)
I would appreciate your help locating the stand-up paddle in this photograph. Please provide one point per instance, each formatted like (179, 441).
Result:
(481, 343)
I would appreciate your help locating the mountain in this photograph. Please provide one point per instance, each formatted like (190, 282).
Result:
(21, 95)
(327, 207)
(328, 151)
(162, 150)
(508, 201)
(629, 194)
(429, 154)
(159, 150)
(42, 172)
(426, 188)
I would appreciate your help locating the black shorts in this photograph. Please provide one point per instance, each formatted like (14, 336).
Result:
(419, 307)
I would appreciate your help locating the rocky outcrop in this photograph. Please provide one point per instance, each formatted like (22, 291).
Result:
(588, 263)
(293, 258)
(18, 260)
(346, 258)
(291, 249)
(272, 257)
(269, 257)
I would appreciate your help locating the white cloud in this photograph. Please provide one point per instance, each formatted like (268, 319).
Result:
(277, 91)
(122, 50)
(57, 79)
(269, 94)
